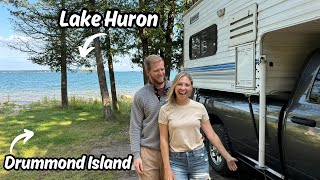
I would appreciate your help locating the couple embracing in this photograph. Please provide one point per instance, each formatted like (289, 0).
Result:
(165, 128)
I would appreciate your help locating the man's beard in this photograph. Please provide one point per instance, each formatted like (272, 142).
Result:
(156, 81)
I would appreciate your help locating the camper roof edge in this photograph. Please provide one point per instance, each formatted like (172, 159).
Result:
(194, 5)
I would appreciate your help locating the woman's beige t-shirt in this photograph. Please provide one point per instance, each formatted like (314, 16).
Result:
(184, 124)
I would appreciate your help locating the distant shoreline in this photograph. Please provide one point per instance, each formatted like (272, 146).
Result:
(31, 86)
(26, 102)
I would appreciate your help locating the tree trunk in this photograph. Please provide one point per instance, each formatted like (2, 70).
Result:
(102, 78)
(168, 37)
(64, 90)
(145, 52)
(163, 29)
(115, 106)
(101, 74)
(144, 40)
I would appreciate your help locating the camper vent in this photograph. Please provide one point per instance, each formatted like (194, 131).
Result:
(243, 26)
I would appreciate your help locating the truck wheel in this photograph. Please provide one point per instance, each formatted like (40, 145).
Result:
(217, 162)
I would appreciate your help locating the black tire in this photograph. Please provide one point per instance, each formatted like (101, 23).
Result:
(217, 162)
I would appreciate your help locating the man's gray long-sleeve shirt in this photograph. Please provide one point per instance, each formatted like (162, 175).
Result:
(144, 128)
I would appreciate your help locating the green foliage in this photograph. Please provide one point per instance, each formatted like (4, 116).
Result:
(159, 39)
(39, 22)
(61, 132)
(7, 108)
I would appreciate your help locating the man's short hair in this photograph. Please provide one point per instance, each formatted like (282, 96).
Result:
(151, 59)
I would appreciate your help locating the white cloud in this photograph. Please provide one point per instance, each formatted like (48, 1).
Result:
(17, 38)
(124, 64)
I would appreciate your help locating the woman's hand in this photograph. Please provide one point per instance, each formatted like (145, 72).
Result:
(215, 140)
(168, 174)
(231, 161)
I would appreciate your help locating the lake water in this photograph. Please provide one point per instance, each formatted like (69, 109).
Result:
(27, 86)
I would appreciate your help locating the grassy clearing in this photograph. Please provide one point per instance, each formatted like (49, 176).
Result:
(61, 133)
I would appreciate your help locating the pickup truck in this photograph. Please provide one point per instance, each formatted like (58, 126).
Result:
(255, 67)
(292, 143)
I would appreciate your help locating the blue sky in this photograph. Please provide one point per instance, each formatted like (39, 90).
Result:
(15, 60)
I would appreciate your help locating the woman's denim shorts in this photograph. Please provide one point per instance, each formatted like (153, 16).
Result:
(190, 165)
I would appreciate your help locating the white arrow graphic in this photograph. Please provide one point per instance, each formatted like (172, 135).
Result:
(27, 135)
(85, 50)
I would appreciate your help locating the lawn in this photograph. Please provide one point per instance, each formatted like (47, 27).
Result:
(60, 133)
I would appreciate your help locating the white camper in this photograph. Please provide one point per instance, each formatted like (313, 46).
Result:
(225, 40)
(252, 47)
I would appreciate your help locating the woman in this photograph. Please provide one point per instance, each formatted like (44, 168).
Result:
(183, 152)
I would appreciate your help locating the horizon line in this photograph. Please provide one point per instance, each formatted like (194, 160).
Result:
(84, 70)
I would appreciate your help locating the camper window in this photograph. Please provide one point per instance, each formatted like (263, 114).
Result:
(203, 43)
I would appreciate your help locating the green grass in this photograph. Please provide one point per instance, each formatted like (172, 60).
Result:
(61, 133)
(7, 108)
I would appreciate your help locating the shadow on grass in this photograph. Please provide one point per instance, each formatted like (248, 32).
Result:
(61, 132)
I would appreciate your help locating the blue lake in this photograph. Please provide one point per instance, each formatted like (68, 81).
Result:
(27, 86)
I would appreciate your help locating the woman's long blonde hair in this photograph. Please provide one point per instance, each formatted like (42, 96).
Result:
(171, 94)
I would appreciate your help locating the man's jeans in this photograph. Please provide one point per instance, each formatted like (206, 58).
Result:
(190, 165)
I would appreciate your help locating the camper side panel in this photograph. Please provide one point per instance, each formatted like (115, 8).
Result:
(216, 71)
(277, 22)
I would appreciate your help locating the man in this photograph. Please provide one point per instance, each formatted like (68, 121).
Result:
(144, 128)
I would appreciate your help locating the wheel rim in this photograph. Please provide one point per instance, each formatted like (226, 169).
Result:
(215, 155)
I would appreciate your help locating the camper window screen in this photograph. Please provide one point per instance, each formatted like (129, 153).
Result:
(203, 43)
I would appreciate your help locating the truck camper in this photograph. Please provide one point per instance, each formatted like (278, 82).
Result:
(255, 66)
